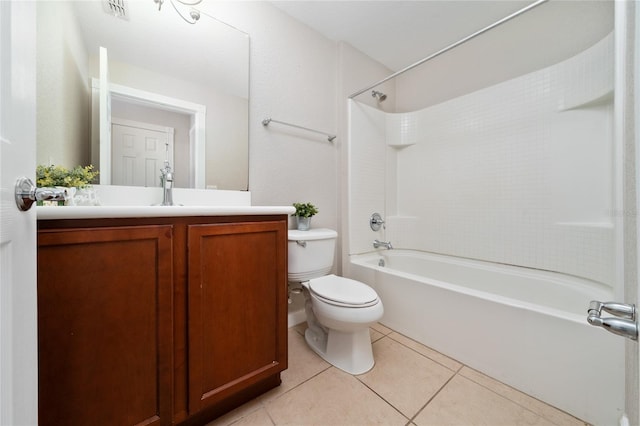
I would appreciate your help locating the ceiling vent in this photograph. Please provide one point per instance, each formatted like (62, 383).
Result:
(116, 8)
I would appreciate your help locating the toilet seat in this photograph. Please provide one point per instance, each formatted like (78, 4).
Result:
(341, 291)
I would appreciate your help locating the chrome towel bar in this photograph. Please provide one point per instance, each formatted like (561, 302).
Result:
(329, 136)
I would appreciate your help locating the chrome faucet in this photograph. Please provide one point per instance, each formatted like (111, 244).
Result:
(166, 178)
(385, 244)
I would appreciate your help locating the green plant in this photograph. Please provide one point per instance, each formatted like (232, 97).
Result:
(304, 210)
(60, 176)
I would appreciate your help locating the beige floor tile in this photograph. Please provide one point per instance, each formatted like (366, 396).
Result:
(381, 328)
(300, 328)
(426, 351)
(332, 398)
(241, 412)
(375, 335)
(406, 376)
(303, 365)
(403, 377)
(257, 418)
(464, 402)
(552, 414)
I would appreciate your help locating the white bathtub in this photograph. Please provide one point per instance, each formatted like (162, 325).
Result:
(526, 328)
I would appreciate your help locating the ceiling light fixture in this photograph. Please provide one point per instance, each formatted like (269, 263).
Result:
(194, 14)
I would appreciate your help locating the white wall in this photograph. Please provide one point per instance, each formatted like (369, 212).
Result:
(293, 78)
(519, 173)
(301, 77)
(61, 53)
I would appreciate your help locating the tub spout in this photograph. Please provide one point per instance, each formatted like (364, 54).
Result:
(385, 244)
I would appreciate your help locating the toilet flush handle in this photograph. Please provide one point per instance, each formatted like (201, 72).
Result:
(301, 243)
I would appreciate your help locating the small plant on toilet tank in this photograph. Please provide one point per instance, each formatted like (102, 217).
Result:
(303, 214)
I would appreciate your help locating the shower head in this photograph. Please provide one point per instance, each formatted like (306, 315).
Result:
(378, 95)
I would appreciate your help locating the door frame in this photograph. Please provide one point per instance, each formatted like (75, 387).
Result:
(632, 290)
(627, 186)
(198, 113)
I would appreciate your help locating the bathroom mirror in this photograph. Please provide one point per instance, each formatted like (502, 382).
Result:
(163, 73)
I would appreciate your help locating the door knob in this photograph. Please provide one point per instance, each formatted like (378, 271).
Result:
(26, 193)
(625, 325)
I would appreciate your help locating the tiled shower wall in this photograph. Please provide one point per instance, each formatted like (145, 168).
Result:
(518, 173)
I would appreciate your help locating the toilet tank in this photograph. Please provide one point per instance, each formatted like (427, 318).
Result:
(311, 253)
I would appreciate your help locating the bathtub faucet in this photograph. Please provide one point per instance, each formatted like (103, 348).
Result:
(385, 244)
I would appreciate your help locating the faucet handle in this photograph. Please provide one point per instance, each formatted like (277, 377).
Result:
(376, 221)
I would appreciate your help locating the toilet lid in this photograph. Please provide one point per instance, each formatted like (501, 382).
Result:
(343, 291)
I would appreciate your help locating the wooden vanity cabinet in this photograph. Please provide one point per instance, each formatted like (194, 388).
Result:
(159, 320)
(235, 283)
(104, 325)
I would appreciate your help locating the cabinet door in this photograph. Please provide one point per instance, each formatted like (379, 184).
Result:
(104, 326)
(237, 308)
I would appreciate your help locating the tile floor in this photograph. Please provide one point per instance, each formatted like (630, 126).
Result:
(409, 385)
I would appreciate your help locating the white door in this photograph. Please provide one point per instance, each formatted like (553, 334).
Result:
(138, 152)
(18, 314)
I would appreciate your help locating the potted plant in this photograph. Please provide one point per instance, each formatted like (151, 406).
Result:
(58, 176)
(304, 212)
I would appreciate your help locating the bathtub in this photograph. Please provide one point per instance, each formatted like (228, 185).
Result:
(524, 327)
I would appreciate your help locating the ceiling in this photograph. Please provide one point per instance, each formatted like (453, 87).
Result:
(154, 39)
(398, 33)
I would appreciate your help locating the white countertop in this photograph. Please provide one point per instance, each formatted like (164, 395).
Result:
(129, 201)
(101, 212)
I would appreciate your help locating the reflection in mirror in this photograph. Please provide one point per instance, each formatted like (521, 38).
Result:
(132, 154)
(161, 71)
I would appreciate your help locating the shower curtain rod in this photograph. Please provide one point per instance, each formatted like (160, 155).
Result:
(451, 46)
(329, 136)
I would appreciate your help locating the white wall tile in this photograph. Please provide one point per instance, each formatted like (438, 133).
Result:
(505, 174)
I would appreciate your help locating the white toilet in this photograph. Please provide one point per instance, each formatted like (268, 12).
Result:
(339, 310)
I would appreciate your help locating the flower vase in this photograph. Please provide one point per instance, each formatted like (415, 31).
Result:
(86, 196)
(304, 223)
(70, 195)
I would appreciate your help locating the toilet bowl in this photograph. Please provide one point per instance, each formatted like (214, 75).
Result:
(342, 337)
(339, 310)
